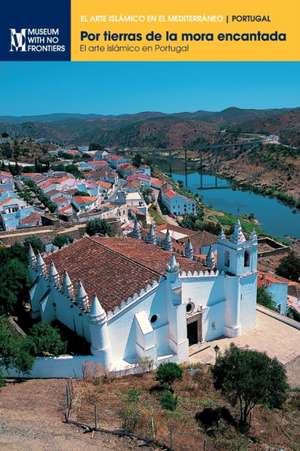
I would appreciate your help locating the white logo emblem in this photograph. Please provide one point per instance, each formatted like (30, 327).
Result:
(17, 40)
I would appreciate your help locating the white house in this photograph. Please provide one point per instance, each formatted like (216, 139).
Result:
(176, 203)
(277, 287)
(131, 299)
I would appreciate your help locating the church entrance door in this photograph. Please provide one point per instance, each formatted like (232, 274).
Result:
(192, 333)
(194, 328)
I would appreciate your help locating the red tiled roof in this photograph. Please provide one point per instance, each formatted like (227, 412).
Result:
(84, 199)
(156, 181)
(114, 268)
(33, 217)
(114, 157)
(47, 183)
(72, 152)
(59, 200)
(8, 200)
(170, 193)
(265, 279)
(98, 162)
(67, 209)
(104, 184)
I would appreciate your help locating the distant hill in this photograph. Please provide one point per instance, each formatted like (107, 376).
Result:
(186, 129)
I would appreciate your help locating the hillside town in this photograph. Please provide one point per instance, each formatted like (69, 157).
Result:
(104, 184)
(125, 273)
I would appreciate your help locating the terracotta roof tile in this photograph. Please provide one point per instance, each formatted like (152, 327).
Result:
(114, 268)
(84, 199)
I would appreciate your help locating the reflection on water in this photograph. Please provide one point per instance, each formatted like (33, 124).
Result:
(274, 217)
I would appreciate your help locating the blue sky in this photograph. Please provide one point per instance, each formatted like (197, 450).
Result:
(113, 88)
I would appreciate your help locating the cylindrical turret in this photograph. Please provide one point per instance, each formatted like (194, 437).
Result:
(188, 249)
(100, 342)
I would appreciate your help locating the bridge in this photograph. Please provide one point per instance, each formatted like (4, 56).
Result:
(215, 148)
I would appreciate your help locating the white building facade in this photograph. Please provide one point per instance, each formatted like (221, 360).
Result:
(167, 310)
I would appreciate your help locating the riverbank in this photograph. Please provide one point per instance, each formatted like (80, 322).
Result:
(271, 169)
(213, 219)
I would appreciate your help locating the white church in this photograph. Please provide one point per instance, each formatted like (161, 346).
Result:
(132, 299)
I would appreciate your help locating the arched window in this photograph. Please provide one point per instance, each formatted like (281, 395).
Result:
(227, 259)
(153, 319)
(246, 259)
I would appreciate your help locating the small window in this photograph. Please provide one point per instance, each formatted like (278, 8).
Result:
(153, 319)
(227, 259)
(189, 307)
(246, 259)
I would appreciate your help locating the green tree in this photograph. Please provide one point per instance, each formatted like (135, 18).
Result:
(73, 169)
(35, 242)
(15, 351)
(13, 285)
(289, 267)
(46, 338)
(248, 378)
(264, 298)
(82, 193)
(168, 373)
(99, 226)
(95, 146)
(137, 160)
(62, 240)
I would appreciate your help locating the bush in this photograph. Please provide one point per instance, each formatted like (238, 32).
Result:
(131, 415)
(35, 242)
(16, 352)
(62, 240)
(99, 226)
(46, 339)
(167, 373)
(264, 298)
(168, 401)
(289, 267)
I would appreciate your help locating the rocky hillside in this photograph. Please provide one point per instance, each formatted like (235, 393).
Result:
(154, 128)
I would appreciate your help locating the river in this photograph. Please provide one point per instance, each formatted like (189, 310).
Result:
(274, 217)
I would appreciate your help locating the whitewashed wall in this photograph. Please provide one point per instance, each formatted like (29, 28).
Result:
(60, 367)
(248, 302)
(122, 331)
(279, 293)
(208, 292)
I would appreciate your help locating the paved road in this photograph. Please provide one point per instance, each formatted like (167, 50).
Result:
(43, 231)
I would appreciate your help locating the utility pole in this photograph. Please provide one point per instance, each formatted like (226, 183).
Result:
(216, 177)
(201, 170)
(185, 166)
(170, 162)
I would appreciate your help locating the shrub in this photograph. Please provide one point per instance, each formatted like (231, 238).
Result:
(61, 240)
(264, 298)
(167, 373)
(168, 401)
(35, 242)
(46, 339)
(131, 415)
(289, 267)
(99, 226)
(15, 351)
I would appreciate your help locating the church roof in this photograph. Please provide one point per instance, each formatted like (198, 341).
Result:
(114, 268)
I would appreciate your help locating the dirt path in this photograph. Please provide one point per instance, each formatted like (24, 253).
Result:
(31, 418)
